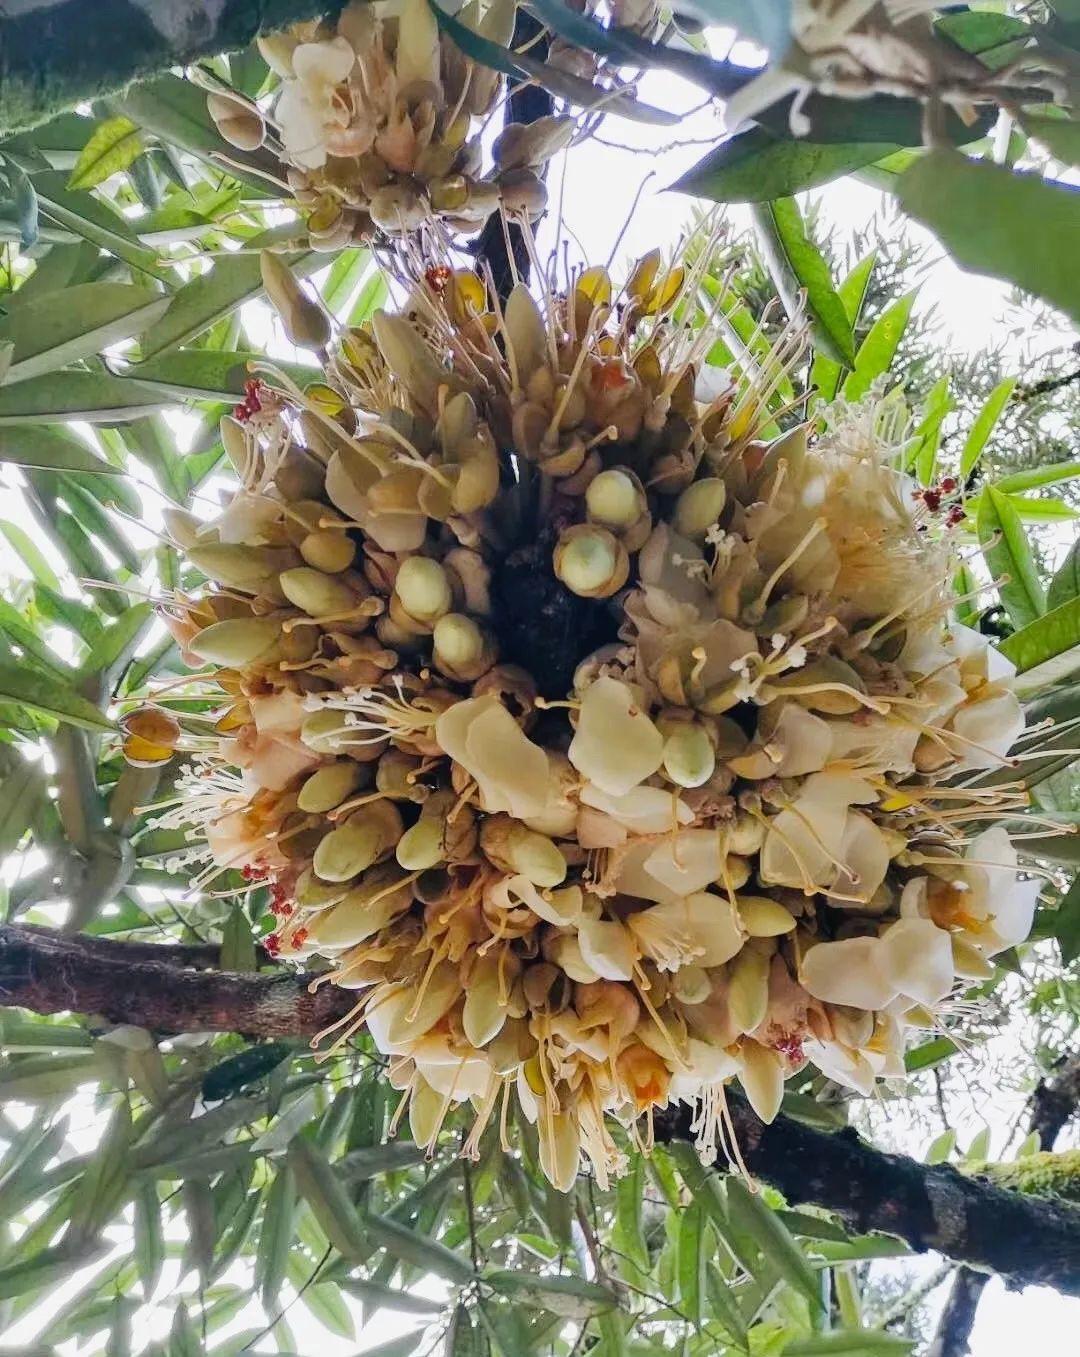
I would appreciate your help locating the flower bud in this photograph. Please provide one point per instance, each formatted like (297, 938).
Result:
(238, 121)
(423, 588)
(181, 526)
(234, 440)
(509, 845)
(615, 499)
(689, 758)
(698, 508)
(328, 551)
(763, 917)
(304, 320)
(251, 570)
(328, 787)
(311, 893)
(317, 594)
(591, 562)
(748, 989)
(348, 850)
(421, 847)
(460, 648)
(236, 642)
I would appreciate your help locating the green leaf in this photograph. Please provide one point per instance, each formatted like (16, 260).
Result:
(95, 397)
(103, 1185)
(1005, 547)
(149, 1249)
(413, 1248)
(979, 1149)
(930, 1053)
(25, 202)
(237, 942)
(878, 349)
(388, 1298)
(939, 1149)
(1047, 650)
(1065, 921)
(1065, 586)
(49, 696)
(690, 1266)
(371, 1160)
(88, 217)
(275, 1238)
(1052, 474)
(233, 280)
(52, 449)
(1060, 136)
(754, 166)
(208, 374)
(993, 38)
(328, 1306)
(749, 1213)
(321, 1188)
(629, 1233)
(985, 422)
(795, 262)
(25, 548)
(572, 1297)
(63, 327)
(935, 407)
(1018, 227)
(850, 1343)
(49, 1267)
(112, 147)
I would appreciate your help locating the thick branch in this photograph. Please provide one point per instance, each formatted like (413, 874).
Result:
(1056, 1100)
(52, 55)
(1027, 1239)
(49, 972)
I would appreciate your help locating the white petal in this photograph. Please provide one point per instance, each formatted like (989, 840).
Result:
(916, 958)
(615, 745)
(607, 948)
(848, 972)
(761, 1074)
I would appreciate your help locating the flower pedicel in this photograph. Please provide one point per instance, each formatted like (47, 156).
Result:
(607, 742)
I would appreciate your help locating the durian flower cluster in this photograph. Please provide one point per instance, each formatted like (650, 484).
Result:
(610, 743)
(377, 122)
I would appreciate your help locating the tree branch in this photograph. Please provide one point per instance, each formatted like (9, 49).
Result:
(57, 53)
(1056, 1100)
(49, 972)
(1029, 1240)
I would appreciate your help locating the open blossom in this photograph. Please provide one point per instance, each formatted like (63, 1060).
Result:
(709, 832)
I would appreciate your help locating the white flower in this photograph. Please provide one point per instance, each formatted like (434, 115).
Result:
(912, 958)
(615, 745)
(700, 930)
(307, 108)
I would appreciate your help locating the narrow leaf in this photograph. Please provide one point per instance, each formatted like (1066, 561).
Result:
(112, 147)
(985, 422)
(878, 349)
(1008, 557)
(49, 696)
(755, 166)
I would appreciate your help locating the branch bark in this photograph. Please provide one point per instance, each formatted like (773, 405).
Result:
(50, 972)
(57, 53)
(1029, 1240)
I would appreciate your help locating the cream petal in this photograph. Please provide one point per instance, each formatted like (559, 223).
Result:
(916, 959)
(323, 64)
(513, 773)
(560, 1147)
(993, 724)
(687, 862)
(607, 948)
(848, 972)
(865, 850)
(615, 745)
(644, 810)
(843, 1065)
(761, 1073)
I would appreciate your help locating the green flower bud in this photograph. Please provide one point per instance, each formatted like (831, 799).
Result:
(689, 758)
(304, 320)
(317, 594)
(236, 642)
(460, 648)
(252, 570)
(614, 500)
(423, 587)
(699, 506)
(764, 918)
(748, 991)
(312, 893)
(421, 847)
(328, 787)
(328, 551)
(591, 562)
(348, 850)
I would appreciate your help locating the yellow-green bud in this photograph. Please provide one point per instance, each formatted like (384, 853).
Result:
(312, 893)
(508, 844)
(328, 787)
(348, 850)
(237, 641)
(304, 320)
(459, 646)
(423, 587)
(317, 594)
(699, 506)
(613, 500)
(421, 846)
(252, 570)
(748, 989)
(591, 562)
(764, 918)
(181, 526)
(689, 758)
(329, 551)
